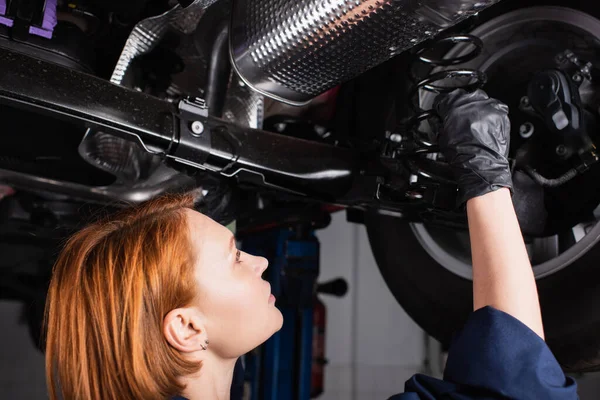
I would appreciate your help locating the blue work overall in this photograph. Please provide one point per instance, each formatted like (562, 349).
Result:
(494, 357)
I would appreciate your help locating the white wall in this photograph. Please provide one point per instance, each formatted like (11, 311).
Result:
(372, 345)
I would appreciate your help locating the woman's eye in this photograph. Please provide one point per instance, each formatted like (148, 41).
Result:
(237, 256)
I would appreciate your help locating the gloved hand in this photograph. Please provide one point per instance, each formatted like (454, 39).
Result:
(475, 139)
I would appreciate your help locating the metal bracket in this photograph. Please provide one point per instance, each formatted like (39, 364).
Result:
(186, 134)
(194, 142)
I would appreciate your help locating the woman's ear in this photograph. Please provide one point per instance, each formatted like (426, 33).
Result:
(184, 330)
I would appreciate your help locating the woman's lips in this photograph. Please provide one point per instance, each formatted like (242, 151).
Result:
(272, 299)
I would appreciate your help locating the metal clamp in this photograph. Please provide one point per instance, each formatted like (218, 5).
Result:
(194, 142)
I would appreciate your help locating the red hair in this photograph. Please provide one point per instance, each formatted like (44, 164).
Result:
(112, 286)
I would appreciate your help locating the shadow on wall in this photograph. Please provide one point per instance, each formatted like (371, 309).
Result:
(21, 363)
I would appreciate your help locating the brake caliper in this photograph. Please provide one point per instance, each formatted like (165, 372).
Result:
(555, 96)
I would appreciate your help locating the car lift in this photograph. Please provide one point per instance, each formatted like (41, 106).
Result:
(288, 366)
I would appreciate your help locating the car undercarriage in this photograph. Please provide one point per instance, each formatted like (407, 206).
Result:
(277, 111)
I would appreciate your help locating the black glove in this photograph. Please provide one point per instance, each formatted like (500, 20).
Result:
(475, 139)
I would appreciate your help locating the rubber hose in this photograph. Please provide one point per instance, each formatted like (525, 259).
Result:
(554, 182)
(218, 72)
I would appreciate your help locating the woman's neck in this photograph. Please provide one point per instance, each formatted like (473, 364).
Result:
(213, 381)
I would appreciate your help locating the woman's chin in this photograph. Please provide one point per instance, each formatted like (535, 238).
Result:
(279, 323)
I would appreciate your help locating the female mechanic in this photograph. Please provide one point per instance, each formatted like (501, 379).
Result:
(157, 303)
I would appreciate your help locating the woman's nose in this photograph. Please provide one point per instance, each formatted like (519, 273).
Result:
(261, 264)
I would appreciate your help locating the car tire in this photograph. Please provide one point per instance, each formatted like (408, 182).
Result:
(440, 301)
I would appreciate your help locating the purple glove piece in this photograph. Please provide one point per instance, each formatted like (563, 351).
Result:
(3, 19)
(48, 24)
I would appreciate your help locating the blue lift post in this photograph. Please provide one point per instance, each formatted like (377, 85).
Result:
(281, 368)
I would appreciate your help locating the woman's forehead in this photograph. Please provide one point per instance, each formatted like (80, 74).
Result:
(206, 232)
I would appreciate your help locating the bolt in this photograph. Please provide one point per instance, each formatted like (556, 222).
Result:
(414, 195)
(561, 150)
(197, 127)
(525, 101)
(320, 130)
(526, 130)
(396, 137)
(280, 126)
(577, 78)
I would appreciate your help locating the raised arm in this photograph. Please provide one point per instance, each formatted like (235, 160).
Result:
(475, 141)
(502, 274)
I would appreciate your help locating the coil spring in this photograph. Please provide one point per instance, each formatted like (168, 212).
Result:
(432, 84)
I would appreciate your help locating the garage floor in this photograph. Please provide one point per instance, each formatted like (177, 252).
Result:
(372, 345)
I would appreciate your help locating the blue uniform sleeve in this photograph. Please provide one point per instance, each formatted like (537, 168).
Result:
(497, 352)
(495, 357)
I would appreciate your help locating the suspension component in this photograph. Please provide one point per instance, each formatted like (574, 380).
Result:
(433, 82)
(409, 143)
(419, 141)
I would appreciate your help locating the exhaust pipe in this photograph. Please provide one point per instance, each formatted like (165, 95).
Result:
(294, 50)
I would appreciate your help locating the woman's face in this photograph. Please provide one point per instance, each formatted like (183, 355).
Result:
(237, 303)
